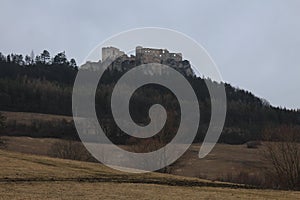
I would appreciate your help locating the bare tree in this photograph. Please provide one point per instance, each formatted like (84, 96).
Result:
(69, 149)
(2, 126)
(2, 121)
(149, 145)
(282, 150)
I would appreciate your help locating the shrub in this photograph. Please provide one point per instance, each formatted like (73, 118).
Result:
(2, 121)
(282, 151)
(69, 149)
(253, 144)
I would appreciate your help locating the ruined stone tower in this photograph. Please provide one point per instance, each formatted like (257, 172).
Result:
(111, 53)
(122, 61)
(148, 55)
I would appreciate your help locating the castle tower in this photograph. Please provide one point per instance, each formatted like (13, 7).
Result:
(111, 53)
(148, 55)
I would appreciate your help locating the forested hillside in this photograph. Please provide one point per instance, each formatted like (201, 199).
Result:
(43, 84)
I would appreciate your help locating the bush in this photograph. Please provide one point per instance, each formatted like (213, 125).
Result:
(282, 151)
(69, 149)
(2, 121)
(149, 145)
(253, 144)
(2, 125)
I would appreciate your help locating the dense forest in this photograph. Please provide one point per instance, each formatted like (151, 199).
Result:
(43, 84)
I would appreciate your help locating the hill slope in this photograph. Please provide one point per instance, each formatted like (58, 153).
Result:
(47, 88)
(35, 177)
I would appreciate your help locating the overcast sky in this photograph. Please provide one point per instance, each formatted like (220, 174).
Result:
(256, 44)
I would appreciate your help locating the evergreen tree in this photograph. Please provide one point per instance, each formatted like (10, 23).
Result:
(73, 63)
(45, 57)
(28, 60)
(60, 59)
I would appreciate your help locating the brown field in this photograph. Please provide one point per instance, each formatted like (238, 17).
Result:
(27, 118)
(24, 176)
(37, 177)
(223, 160)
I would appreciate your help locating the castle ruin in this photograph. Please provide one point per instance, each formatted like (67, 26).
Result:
(111, 53)
(148, 55)
(145, 56)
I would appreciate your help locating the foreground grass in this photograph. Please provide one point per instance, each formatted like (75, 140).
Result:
(25, 176)
(86, 190)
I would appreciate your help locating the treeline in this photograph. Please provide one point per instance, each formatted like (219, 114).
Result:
(43, 84)
(44, 67)
(39, 83)
(38, 128)
(43, 58)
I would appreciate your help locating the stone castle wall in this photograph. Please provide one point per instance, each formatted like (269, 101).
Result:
(111, 53)
(143, 55)
(148, 55)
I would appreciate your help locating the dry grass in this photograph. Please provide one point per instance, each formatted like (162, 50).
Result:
(27, 118)
(24, 167)
(225, 162)
(75, 190)
(224, 159)
(37, 146)
(25, 176)
(36, 177)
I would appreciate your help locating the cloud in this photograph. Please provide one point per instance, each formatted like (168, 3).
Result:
(254, 43)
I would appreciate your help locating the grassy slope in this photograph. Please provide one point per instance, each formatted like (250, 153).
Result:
(25, 176)
(28, 118)
(222, 161)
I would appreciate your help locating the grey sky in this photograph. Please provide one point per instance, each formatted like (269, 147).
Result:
(256, 44)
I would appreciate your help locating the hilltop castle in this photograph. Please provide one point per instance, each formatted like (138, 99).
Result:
(145, 56)
(111, 53)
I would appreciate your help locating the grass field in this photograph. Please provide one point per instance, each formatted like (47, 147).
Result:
(25, 176)
(27, 118)
(223, 160)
